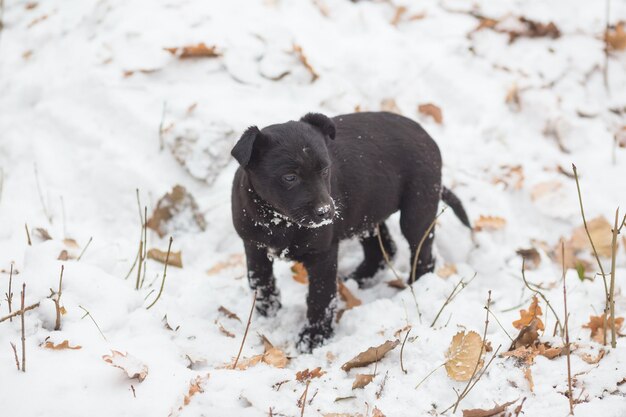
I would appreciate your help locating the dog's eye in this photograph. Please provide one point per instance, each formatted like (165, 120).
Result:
(290, 178)
(325, 172)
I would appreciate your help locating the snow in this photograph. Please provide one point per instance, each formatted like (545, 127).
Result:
(73, 126)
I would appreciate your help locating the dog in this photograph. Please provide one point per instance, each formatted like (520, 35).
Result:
(303, 186)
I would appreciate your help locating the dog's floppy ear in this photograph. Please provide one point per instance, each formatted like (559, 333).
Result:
(242, 151)
(323, 123)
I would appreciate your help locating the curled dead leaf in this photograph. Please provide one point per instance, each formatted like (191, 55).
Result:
(299, 273)
(596, 325)
(370, 355)
(175, 258)
(305, 375)
(228, 313)
(527, 336)
(531, 257)
(347, 296)
(479, 412)
(361, 380)
(299, 53)
(61, 346)
(397, 283)
(129, 364)
(489, 223)
(600, 231)
(177, 203)
(591, 359)
(194, 51)
(527, 316)
(429, 109)
(223, 330)
(464, 356)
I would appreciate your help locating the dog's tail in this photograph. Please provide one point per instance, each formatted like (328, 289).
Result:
(453, 201)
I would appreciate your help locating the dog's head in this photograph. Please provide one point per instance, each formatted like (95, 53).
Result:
(289, 167)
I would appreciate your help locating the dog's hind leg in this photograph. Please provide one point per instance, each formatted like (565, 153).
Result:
(418, 210)
(373, 259)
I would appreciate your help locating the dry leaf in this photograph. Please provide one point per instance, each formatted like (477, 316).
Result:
(195, 386)
(175, 258)
(245, 363)
(431, 110)
(42, 233)
(61, 346)
(447, 270)
(397, 283)
(223, 330)
(345, 294)
(297, 50)
(228, 313)
(195, 51)
(600, 231)
(130, 73)
(299, 273)
(478, 412)
(489, 223)
(361, 380)
(513, 98)
(616, 37)
(233, 261)
(527, 316)
(70, 243)
(527, 336)
(527, 28)
(544, 189)
(531, 257)
(510, 176)
(529, 377)
(377, 413)
(593, 360)
(129, 364)
(177, 203)
(271, 356)
(389, 105)
(64, 256)
(370, 355)
(596, 324)
(306, 375)
(620, 137)
(275, 357)
(463, 355)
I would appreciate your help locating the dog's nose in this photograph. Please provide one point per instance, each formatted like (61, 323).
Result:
(324, 211)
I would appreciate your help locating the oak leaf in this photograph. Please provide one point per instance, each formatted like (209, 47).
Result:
(306, 375)
(601, 234)
(489, 223)
(527, 316)
(596, 325)
(61, 346)
(464, 356)
(361, 380)
(129, 364)
(370, 355)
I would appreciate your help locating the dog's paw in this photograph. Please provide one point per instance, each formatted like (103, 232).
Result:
(312, 337)
(268, 304)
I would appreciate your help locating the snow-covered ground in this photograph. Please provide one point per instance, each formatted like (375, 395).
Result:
(79, 134)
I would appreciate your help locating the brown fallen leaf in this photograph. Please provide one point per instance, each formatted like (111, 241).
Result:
(511, 176)
(345, 294)
(527, 316)
(616, 37)
(299, 53)
(531, 257)
(175, 258)
(228, 313)
(42, 234)
(223, 330)
(600, 231)
(233, 261)
(596, 325)
(129, 364)
(305, 375)
(397, 283)
(299, 273)
(196, 386)
(529, 377)
(512, 98)
(370, 355)
(194, 51)
(524, 27)
(463, 356)
(361, 380)
(479, 412)
(64, 256)
(593, 360)
(271, 356)
(429, 109)
(544, 189)
(620, 137)
(70, 243)
(61, 346)
(177, 202)
(527, 336)
(377, 413)
(489, 223)
(130, 73)
(447, 270)
(389, 105)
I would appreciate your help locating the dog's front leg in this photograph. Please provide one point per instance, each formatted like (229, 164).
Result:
(321, 300)
(261, 279)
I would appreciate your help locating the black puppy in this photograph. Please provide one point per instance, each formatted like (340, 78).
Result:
(303, 186)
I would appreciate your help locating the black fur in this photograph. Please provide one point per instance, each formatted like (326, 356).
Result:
(298, 193)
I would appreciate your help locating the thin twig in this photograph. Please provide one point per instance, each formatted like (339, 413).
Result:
(18, 312)
(402, 351)
(306, 390)
(499, 324)
(615, 231)
(17, 360)
(57, 302)
(419, 246)
(30, 243)
(84, 249)
(167, 258)
(429, 374)
(543, 297)
(23, 333)
(87, 313)
(569, 370)
(595, 253)
(245, 334)
(9, 295)
(460, 286)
